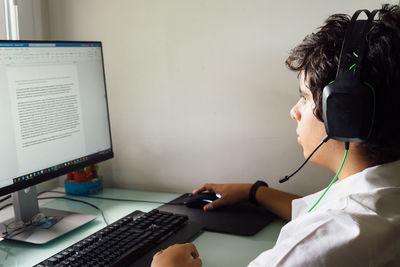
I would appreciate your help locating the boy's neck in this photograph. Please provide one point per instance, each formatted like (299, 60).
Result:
(355, 163)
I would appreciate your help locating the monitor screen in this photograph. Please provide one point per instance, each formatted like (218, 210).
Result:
(53, 110)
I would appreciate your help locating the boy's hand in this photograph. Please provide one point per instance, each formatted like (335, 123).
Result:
(230, 194)
(179, 255)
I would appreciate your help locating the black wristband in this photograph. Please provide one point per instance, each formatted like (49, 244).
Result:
(253, 191)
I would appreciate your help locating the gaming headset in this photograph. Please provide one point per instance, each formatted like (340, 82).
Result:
(348, 103)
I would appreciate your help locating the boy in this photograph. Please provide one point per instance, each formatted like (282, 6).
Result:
(357, 223)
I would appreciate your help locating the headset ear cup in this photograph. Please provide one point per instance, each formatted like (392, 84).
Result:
(347, 108)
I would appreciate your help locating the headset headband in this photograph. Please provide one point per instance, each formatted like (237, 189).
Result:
(351, 44)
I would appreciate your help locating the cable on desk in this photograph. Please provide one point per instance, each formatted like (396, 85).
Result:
(106, 198)
(77, 200)
(96, 197)
(5, 198)
(81, 201)
(5, 206)
(71, 199)
(9, 254)
(20, 226)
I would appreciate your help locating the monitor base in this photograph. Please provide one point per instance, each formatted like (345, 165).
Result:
(37, 235)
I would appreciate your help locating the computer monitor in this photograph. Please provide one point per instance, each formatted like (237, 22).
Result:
(54, 120)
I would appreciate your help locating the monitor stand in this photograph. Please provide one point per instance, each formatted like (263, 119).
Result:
(26, 206)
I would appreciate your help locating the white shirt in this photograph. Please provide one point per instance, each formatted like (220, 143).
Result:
(357, 223)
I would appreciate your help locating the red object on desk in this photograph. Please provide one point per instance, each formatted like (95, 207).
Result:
(83, 175)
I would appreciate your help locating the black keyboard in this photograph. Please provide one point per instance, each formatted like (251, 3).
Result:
(130, 241)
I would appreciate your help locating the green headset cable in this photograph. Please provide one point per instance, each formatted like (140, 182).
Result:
(334, 178)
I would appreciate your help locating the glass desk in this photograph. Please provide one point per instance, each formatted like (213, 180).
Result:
(216, 249)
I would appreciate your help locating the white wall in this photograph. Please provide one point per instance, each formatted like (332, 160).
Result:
(33, 19)
(198, 91)
(3, 32)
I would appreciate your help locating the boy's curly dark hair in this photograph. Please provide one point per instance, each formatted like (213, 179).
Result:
(318, 56)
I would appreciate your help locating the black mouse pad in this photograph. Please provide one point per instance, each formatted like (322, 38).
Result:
(241, 219)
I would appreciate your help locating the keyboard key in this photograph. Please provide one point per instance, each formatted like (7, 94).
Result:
(51, 261)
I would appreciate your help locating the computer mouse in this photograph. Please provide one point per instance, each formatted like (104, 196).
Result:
(198, 201)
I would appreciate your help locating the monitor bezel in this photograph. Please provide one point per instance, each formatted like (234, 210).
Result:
(94, 158)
